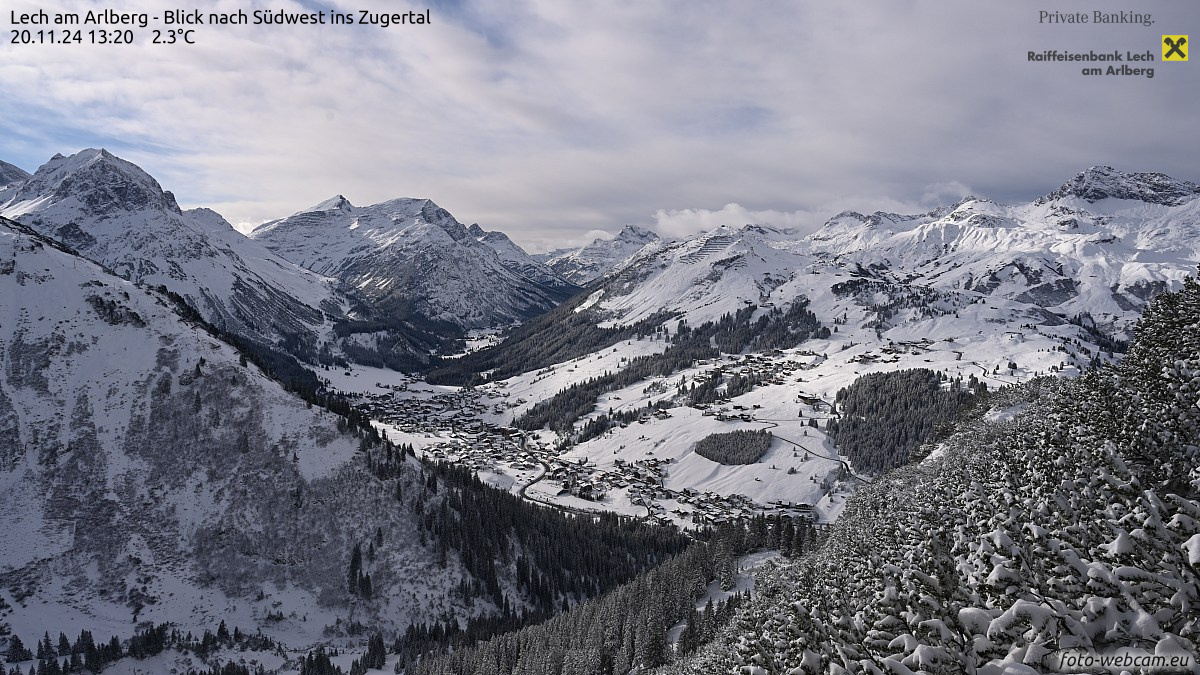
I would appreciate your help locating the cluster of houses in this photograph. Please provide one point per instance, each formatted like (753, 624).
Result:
(460, 410)
(457, 418)
(893, 350)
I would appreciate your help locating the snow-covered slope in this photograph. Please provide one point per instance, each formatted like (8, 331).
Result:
(588, 263)
(1070, 531)
(518, 261)
(10, 174)
(1102, 244)
(113, 212)
(410, 258)
(147, 473)
(975, 291)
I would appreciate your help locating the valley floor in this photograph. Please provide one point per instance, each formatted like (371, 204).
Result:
(647, 468)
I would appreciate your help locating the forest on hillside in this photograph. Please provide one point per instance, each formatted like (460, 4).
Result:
(886, 416)
(1074, 526)
(626, 630)
(731, 334)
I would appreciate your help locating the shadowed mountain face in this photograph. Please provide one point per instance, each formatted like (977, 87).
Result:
(10, 175)
(151, 474)
(409, 258)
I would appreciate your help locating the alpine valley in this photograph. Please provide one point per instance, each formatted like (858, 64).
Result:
(369, 437)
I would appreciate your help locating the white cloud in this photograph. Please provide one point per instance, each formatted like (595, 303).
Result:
(548, 120)
(681, 222)
(937, 194)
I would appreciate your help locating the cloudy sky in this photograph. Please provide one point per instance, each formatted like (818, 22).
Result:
(554, 120)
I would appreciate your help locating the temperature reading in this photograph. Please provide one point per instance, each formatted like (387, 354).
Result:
(170, 37)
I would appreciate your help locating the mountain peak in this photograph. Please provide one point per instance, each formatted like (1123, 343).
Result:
(101, 182)
(1105, 182)
(334, 203)
(436, 215)
(633, 233)
(877, 219)
(853, 215)
(492, 238)
(209, 220)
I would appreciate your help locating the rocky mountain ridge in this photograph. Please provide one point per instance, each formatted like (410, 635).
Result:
(412, 260)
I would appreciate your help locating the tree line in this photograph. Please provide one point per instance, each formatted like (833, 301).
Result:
(559, 335)
(85, 655)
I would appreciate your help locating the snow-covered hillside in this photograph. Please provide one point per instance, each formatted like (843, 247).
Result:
(411, 259)
(113, 212)
(10, 174)
(586, 264)
(1063, 535)
(976, 291)
(518, 261)
(150, 474)
(1102, 244)
(1071, 530)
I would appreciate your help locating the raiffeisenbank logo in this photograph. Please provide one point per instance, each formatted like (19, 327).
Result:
(1175, 48)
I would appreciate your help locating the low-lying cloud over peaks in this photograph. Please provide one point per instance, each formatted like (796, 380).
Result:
(549, 120)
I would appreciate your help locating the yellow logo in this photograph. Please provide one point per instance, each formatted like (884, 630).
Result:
(1175, 48)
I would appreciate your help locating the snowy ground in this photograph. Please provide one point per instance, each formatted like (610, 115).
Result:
(939, 326)
(802, 465)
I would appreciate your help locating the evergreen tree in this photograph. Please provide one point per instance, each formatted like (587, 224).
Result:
(376, 652)
(353, 576)
(17, 650)
(653, 652)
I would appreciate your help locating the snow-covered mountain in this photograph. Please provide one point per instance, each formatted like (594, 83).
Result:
(1105, 182)
(10, 174)
(586, 264)
(1101, 245)
(113, 212)
(151, 473)
(981, 294)
(148, 473)
(411, 259)
(518, 261)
